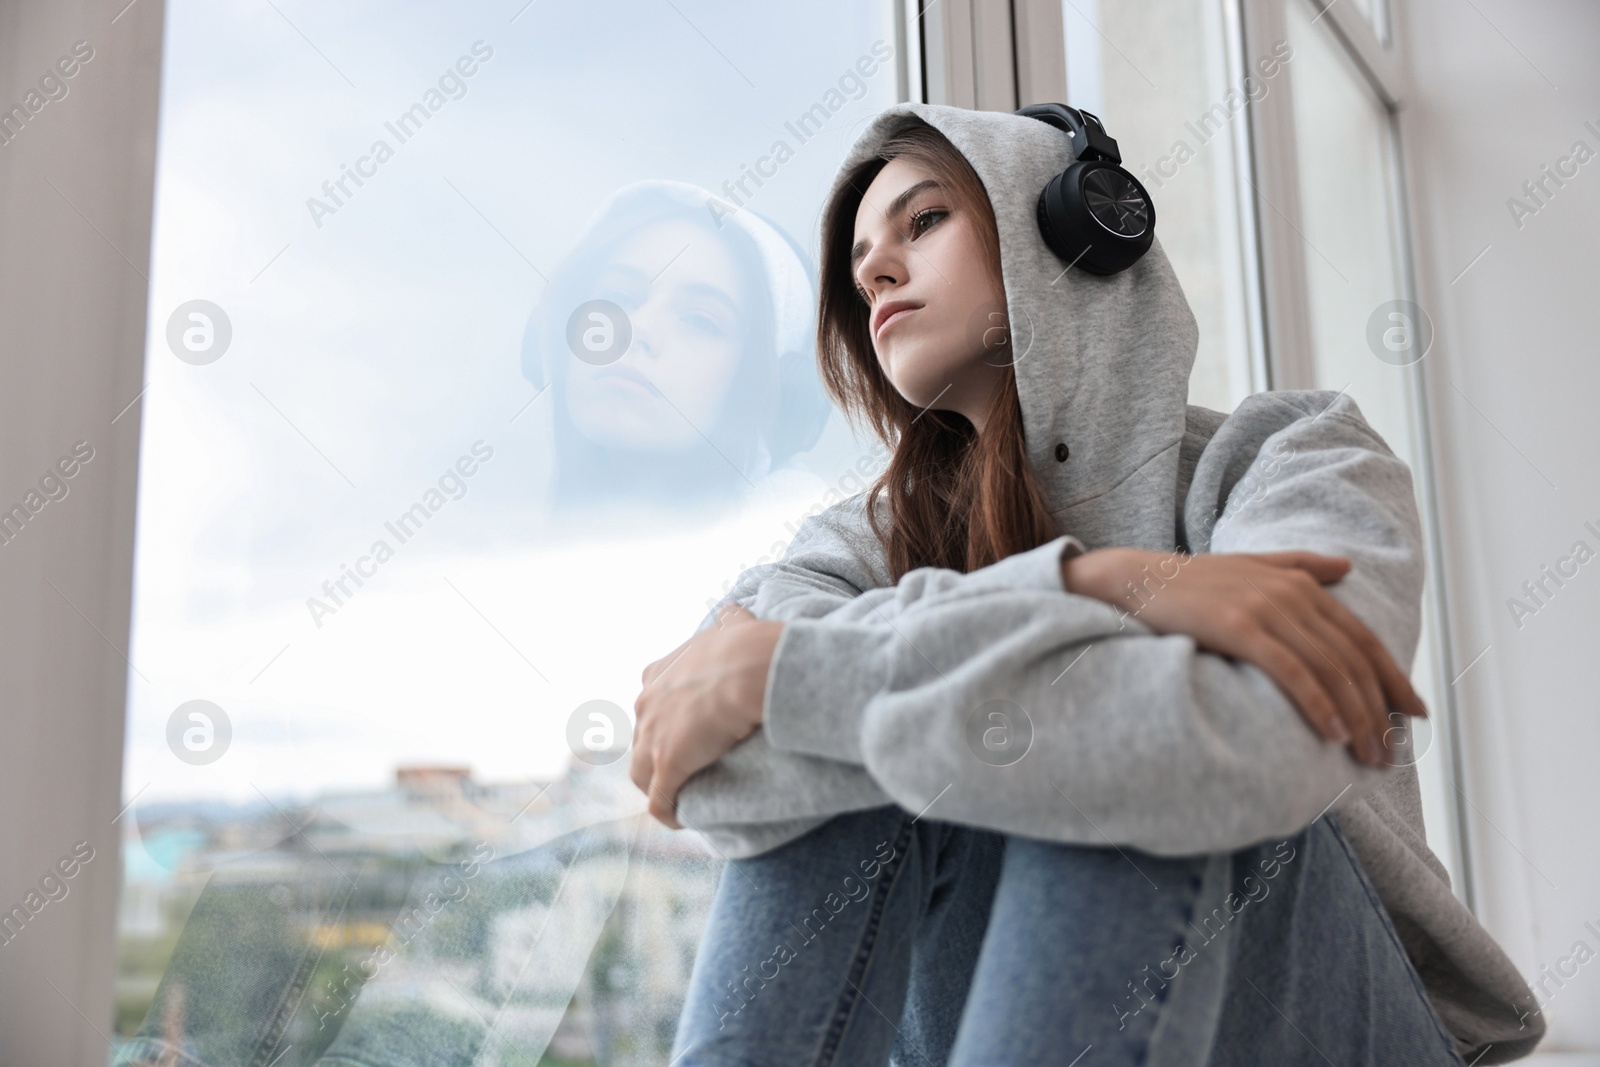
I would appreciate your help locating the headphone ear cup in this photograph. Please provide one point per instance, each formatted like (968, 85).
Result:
(1096, 215)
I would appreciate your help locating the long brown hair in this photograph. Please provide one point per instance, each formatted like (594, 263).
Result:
(957, 499)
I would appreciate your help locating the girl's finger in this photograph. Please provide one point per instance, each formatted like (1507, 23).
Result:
(1360, 656)
(654, 670)
(663, 805)
(1396, 686)
(1323, 568)
(1343, 668)
(668, 783)
(732, 612)
(1286, 668)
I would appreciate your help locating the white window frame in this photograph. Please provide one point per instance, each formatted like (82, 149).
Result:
(988, 55)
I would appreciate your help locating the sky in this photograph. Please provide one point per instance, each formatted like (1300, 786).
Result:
(374, 345)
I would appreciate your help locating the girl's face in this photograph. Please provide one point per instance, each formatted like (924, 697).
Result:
(687, 306)
(914, 246)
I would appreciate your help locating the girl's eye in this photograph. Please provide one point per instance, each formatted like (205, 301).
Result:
(917, 221)
(703, 322)
(920, 222)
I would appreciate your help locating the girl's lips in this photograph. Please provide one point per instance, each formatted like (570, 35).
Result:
(631, 385)
(634, 383)
(896, 317)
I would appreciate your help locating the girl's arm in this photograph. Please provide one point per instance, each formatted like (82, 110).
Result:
(834, 568)
(1135, 737)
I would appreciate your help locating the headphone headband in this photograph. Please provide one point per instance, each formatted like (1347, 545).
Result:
(1089, 139)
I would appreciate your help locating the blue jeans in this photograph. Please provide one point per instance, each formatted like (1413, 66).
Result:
(880, 938)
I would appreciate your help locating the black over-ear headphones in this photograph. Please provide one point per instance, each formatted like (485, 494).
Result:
(1094, 213)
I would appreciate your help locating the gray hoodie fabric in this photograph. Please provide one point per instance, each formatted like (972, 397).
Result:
(880, 692)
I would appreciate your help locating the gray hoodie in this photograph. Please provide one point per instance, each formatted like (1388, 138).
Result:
(881, 692)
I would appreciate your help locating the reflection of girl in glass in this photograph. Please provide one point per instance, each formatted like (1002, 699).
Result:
(677, 345)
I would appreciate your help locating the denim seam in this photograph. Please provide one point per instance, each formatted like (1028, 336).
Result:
(1394, 937)
(293, 993)
(1206, 888)
(845, 1011)
(1167, 984)
(143, 1050)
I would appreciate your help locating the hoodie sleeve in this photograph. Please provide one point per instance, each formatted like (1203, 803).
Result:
(830, 591)
(1113, 733)
(834, 568)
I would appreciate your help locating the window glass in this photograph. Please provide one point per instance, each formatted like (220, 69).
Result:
(1366, 336)
(1376, 12)
(1347, 205)
(480, 363)
(1159, 75)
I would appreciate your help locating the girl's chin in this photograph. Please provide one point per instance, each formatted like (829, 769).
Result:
(623, 434)
(922, 393)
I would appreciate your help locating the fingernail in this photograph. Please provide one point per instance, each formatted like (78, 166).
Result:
(1374, 751)
(1337, 731)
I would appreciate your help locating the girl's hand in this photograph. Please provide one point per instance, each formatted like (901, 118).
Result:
(699, 700)
(1271, 610)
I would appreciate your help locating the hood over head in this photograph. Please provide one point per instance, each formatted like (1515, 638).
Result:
(1102, 363)
(776, 407)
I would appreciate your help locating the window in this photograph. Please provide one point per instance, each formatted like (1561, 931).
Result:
(1348, 196)
(1340, 310)
(1265, 133)
(1170, 84)
(480, 365)
(409, 523)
